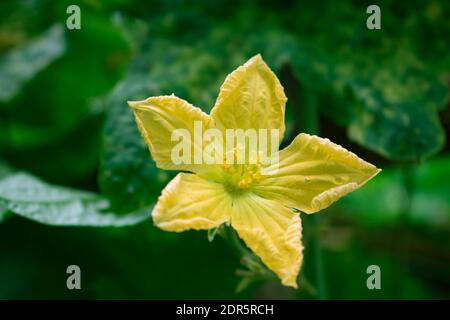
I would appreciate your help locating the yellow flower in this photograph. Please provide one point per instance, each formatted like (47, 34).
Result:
(313, 172)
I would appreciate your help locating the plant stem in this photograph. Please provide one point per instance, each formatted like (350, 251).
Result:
(318, 260)
(409, 181)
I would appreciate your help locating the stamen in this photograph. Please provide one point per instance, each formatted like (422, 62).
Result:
(240, 177)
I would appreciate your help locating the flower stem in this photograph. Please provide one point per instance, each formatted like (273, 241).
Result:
(237, 244)
(254, 269)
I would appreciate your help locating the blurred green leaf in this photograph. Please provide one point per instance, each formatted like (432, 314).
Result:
(376, 82)
(430, 204)
(35, 200)
(128, 175)
(396, 108)
(21, 64)
(57, 101)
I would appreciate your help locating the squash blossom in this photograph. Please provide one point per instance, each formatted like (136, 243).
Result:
(263, 207)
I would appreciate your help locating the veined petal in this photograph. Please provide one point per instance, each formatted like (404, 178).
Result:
(251, 98)
(158, 118)
(313, 173)
(191, 202)
(271, 231)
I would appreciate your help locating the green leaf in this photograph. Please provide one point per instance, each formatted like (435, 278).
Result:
(35, 200)
(387, 86)
(21, 64)
(128, 176)
(396, 108)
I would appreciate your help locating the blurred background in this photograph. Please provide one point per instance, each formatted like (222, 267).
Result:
(77, 182)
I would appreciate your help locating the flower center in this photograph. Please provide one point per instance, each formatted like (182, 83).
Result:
(241, 177)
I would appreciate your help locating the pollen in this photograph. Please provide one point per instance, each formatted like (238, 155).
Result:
(241, 177)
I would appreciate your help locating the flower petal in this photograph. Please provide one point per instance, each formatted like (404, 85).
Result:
(251, 98)
(273, 232)
(158, 117)
(313, 173)
(191, 202)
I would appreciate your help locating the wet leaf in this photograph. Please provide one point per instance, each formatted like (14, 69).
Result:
(35, 200)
